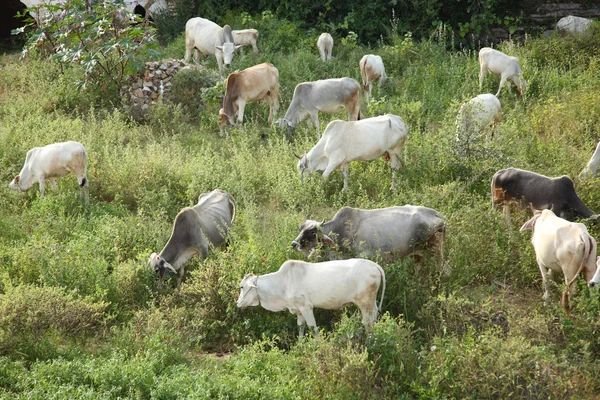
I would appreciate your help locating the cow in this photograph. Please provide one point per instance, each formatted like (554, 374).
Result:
(478, 115)
(325, 45)
(204, 36)
(572, 24)
(327, 96)
(300, 286)
(591, 169)
(252, 84)
(364, 140)
(371, 69)
(562, 246)
(246, 37)
(526, 188)
(196, 230)
(51, 162)
(388, 233)
(499, 63)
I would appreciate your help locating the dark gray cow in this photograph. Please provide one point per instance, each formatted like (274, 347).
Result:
(391, 232)
(528, 189)
(196, 230)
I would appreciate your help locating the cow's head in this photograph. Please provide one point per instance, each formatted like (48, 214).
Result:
(309, 236)
(248, 292)
(302, 164)
(16, 184)
(596, 278)
(159, 265)
(531, 223)
(286, 124)
(225, 119)
(228, 48)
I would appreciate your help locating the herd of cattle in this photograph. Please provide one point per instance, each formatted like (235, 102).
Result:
(560, 245)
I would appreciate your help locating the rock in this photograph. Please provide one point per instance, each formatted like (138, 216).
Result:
(572, 24)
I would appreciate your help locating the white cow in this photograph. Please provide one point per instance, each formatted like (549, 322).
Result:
(371, 69)
(477, 115)
(51, 162)
(246, 37)
(572, 24)
(499, 63)
(562, 246)
(299, 287)
(252, 84)
(202, 35)
(327, 96)
(591, 169)
(325, 45)
(364, 140)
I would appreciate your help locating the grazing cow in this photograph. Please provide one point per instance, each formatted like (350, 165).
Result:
(562, 246)
(327, 96)
(591, 169)
(527, 188)
(202, 35)
(246, 37)
(477, 115)
(299, 287)
(386, 232)
(252, 84)
(364, 140)
(325, 45)
(196, 230)
(499, 63)
(371, 69)
(51, 162)
(572, 24)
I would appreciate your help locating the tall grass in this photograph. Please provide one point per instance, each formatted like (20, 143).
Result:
(480, 332)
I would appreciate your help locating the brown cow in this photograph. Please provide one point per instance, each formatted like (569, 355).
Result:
(252, 84)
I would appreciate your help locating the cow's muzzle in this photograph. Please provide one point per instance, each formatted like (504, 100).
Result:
(294, 244)
(592, 284)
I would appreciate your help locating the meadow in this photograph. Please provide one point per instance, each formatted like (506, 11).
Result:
(81, 316)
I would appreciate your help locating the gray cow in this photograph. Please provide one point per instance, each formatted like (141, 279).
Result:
(394, 231)
(196, 230)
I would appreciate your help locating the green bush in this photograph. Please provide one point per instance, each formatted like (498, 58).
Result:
(189, 88)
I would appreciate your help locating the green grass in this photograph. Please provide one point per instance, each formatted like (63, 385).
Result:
(481, 332)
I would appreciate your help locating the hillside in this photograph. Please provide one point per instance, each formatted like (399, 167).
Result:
(81, 315)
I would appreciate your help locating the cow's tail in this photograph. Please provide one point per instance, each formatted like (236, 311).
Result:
(382, 272)
(232, 202)
(493, 190)
(587, 249)
(84, 179)
(363, 72)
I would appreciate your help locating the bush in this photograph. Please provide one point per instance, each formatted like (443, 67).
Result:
(190, 89)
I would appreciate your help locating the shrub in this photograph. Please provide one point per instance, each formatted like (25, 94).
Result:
(189, 87)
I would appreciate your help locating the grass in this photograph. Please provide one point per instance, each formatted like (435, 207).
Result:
(481, 332)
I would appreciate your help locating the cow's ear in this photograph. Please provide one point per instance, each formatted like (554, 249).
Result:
(17, 179)
(219, 48)
(327, 240)
(529, 224)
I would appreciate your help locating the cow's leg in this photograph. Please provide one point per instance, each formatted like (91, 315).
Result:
(254, 48)
(502, 82)
(353, 109)
(301, 322)
(369, 314)
(241, 107)
(482, 71)
(180, 278)
(332, 166)
(189, 48)
(345, 172)
(314, 117)
(546, 277)
(309, 317)
(41, 181)
(506, 211)
(396, 164)
(196, 56)
(52, 182)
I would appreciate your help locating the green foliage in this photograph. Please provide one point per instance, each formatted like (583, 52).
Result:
(190, 87)
(105, 40)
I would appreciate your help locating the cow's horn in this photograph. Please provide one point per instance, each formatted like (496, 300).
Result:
(297, 156)
(322, 222)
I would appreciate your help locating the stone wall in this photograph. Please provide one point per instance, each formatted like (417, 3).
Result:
(150, 85)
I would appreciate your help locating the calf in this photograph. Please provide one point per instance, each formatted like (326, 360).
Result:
(477, 115)
(384, 232)
(328, 96)
(325, 45)
(562, 246)
(364, 140)
(371, 69)
(299, 287)
(527, 188)
(196, 230)
(499, 63)
(51, 162)
(252, 84)
(246, 37)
